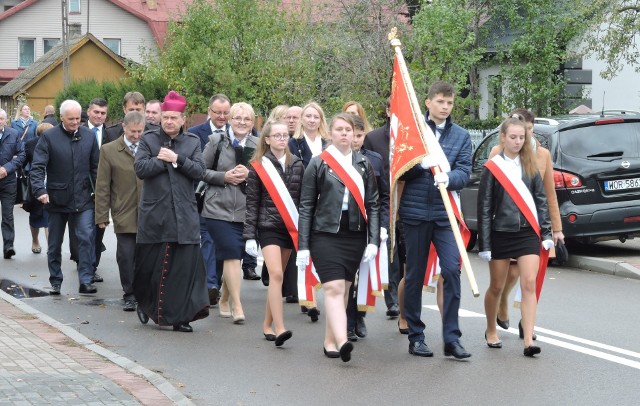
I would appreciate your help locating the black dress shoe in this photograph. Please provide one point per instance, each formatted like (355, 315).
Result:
(213, 296)
(9, 252)
(313, 313)
(352, 336)
(402, 330)
(87, 288)
(503, 323)
(331, 354)
(304, 309)
(129, 305)
(184, 328)
(269, 336)
(250, 275)
(361, 328)
(420, 348)
(456, 350)
(345, 351)
(55, 290)
(291, 299)
(393, 311)
(283, 337)
(521, 332)
(532, 350)
(97, 278)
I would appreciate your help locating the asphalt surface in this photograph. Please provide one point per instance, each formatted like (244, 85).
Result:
(588, 326)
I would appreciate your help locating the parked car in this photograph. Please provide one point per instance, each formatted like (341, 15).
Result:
(596, 162)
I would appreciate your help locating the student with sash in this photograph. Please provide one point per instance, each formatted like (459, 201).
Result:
(273, 195)
(545, 167)
(339, 226)
(309, 140)
(513, 222)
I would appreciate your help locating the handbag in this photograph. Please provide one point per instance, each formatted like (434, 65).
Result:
(201, 189)
(562, 254)
(23, 192)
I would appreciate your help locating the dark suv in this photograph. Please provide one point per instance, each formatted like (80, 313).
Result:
(596, 162)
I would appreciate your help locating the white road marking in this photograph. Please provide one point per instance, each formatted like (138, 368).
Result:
(567, 345)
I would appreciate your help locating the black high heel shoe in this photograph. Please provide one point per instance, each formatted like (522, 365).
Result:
(402, 330)
(503, 323)
(269, 336)
(283, 337)
(497, 344)
(345, 351)
(331, 354)
(532, 350)
(521, 332)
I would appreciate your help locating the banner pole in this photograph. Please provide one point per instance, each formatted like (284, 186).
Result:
(428, 139)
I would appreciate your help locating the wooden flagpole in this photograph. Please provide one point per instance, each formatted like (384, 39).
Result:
(429, 139)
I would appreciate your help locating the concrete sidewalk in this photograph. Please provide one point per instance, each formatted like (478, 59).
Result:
(45, 362)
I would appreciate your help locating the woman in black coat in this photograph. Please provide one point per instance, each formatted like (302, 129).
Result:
(339, 226)
(273, 170)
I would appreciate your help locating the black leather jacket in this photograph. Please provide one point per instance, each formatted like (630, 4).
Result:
(321, 201)
(497, 211)
(262, 212)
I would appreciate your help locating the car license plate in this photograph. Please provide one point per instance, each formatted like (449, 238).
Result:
(621, 184)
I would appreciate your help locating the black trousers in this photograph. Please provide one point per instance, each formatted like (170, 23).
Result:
(125, 257)
(7, 201)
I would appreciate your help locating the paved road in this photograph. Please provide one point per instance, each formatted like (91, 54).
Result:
(588, 325)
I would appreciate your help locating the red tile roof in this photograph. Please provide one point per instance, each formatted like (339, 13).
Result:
(6, 75)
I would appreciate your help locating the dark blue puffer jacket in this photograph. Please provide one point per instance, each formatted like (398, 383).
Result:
(421, 200)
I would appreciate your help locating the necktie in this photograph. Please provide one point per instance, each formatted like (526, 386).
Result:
(235, 143)
(219, 131)
(133, 148)
(95, 132)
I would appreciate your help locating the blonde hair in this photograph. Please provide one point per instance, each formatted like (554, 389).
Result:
(527, 155)
(322, 128)
(263, 147)
(42, 127)
(278, 112)
(361, 114)
(19, 110)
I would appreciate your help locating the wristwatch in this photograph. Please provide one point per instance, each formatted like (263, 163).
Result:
(174, 164)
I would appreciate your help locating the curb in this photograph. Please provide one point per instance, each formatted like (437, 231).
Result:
(605, 266)
(153, 378)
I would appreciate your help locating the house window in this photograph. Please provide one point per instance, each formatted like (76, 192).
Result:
(75, 29)
(113, 44)
(27, 49)
(49, 43)
(74, 6)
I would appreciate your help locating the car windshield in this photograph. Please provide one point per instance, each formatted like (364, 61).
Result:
(602, 142)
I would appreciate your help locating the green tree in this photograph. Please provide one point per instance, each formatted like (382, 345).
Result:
(246, 49)
(612, 34)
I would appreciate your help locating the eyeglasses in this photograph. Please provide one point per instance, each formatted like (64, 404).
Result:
(219, 113)
(279, 137)
(242, 119)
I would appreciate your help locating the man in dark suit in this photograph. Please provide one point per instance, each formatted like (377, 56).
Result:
(118, 190)
(11, 158)
(218, 111)
(97, 115)
(378, 141)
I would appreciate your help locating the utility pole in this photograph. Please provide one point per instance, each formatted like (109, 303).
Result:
(65, 44)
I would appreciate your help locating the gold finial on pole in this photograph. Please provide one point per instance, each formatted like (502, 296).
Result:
(393, 34)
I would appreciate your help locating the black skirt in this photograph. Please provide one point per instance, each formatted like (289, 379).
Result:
(170, 282)
(281, 238)
(505, 245)
(337, 256)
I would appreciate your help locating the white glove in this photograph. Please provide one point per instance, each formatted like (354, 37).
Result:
(383, 234)
(370, 253)
(429, 161)
(441, 177)
(547, 244)
(302, 260)
(251, 247)
(485, 255)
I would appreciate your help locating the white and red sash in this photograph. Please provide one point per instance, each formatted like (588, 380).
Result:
(512, 183)
(373, 276)
(347, 175)
(281, 197)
